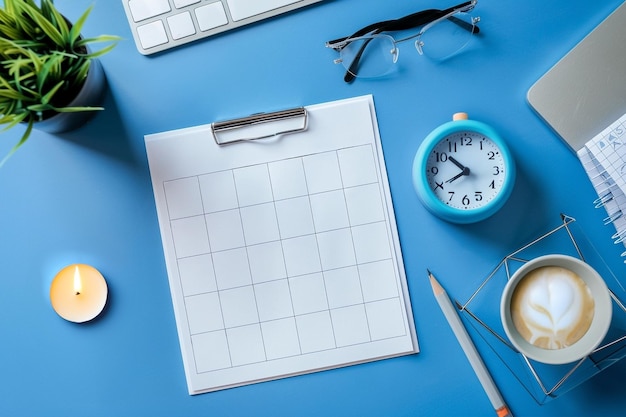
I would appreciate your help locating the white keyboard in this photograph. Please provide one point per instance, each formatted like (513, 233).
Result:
(158, 25)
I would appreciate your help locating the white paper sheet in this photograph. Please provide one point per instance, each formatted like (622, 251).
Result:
(604, 160)
(609, 149)
(282, 254)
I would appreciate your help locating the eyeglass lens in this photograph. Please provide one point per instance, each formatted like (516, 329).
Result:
(446, 37)
(370, 56)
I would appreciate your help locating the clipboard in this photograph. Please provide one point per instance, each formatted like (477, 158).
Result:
(281, 245)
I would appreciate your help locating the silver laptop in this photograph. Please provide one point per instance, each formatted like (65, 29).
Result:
(586, 90)
(158, 25)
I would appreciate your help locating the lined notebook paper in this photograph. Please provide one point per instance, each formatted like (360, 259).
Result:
(282, 254)
(604, 160)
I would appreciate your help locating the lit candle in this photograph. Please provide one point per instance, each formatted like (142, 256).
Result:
(78, 293)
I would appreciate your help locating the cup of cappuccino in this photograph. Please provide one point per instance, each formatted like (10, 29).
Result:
(556, 309)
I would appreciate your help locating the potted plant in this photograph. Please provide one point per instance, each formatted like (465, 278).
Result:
(50, 79)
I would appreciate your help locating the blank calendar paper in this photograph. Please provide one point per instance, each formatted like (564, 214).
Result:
(282, 253)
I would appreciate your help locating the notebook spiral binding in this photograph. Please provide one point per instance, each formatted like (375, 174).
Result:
(610, 196)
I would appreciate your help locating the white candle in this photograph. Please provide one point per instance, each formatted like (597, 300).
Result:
(78, 293)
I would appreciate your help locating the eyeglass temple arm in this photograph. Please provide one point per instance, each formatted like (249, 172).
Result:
(363, 31)
(427, 16)
(408, 22)
(349, 75)
(389, 25)
(465, 25)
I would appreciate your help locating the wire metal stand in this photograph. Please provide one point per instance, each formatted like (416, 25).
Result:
(546, 382)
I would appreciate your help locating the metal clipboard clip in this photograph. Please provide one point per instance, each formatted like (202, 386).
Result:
(260, 126)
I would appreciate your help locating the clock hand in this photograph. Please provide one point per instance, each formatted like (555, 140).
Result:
(457, 163)
(466, 171)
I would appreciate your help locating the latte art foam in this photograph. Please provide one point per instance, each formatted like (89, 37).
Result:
(552, 307)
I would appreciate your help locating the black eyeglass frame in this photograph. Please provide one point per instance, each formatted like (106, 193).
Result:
(411, 21)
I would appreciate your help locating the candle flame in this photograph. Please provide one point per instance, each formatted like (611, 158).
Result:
(78, 283)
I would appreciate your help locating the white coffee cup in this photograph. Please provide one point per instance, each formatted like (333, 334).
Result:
(556, 309)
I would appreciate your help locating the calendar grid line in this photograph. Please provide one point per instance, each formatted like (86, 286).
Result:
(316, 231)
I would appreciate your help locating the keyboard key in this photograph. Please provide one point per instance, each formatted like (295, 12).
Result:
(181, 25)
(179, 4)
(157, 26)
(241, 9)
(152, 34)
(211, 16)
(144, 9)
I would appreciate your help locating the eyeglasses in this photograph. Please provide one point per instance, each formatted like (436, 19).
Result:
(369, 53)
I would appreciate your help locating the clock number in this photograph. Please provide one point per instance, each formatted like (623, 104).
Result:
(465, 200)
(434, 170)
(452, 146)
(451, 195)
(441, 156)
(496, 170)
(478, 195)
(438, 185)
(466, 141)
(492, 185)
(492, 155)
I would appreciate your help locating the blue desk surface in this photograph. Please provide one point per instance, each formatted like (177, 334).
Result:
(85, 196)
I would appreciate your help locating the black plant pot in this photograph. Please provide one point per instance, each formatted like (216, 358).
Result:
(91, 94)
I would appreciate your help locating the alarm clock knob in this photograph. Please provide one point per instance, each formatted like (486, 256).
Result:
(459, 116)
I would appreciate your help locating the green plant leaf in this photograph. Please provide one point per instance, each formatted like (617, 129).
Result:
(23, 139)
(9, 6)
(45, 25)
(45, 99)
(7, 25)
(51, 66)
(24, 22)
(100, 52)
(13, 119)
(77, 27)
(77, 109)
(99, 39)
(11, 94)
(81, 72)
(57, 19)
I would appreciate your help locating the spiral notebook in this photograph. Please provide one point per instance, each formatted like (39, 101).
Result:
(604, 160)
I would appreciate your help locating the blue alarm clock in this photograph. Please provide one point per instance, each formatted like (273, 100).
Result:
(463, 171)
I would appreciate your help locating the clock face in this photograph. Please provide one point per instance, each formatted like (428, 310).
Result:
(466, 170)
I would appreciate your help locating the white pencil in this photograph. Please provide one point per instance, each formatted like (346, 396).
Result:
(468, 347)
